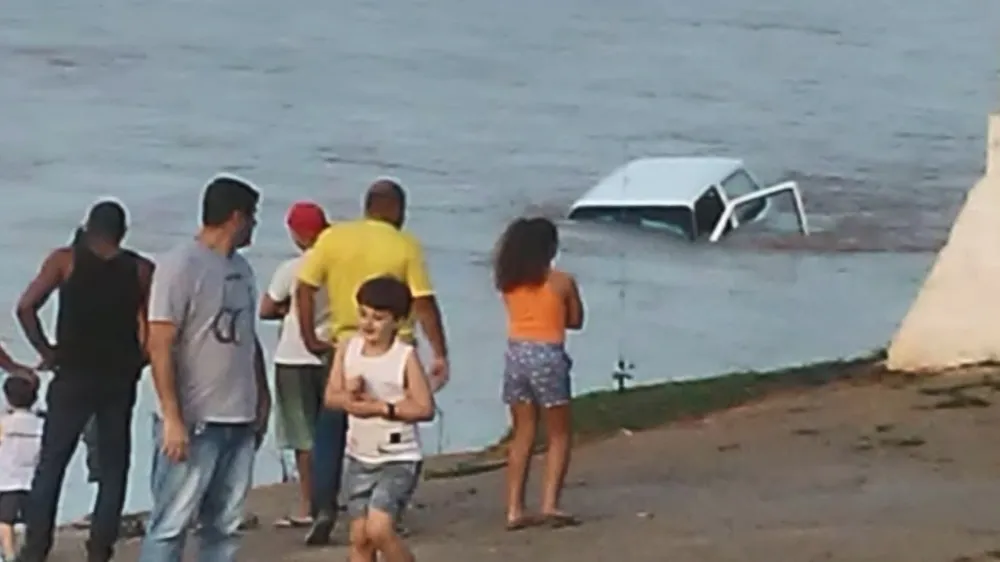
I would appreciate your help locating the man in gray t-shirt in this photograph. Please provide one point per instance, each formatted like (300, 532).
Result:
(211, 299)
(208, 370)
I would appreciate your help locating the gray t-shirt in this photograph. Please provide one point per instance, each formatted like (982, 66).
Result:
(212, 301)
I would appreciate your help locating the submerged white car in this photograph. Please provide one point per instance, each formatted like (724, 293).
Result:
(694, 197)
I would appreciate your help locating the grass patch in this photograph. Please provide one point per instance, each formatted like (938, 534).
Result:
(602, 414)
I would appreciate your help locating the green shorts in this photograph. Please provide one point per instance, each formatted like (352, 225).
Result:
(299, 398)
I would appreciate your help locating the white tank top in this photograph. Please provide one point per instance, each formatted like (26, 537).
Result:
(20, 443)
(378, 440)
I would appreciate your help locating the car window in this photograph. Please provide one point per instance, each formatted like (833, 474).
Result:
(677, 220)
(740, 183)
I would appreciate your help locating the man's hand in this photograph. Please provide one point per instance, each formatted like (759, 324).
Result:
(440, 373)
(262, 421)
(318, 347)
(175, 439)
(47, 361)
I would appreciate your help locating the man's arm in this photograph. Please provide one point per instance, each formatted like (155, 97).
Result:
(160, 343)
(146, 269)
(263, 391)
(169, 297)
(275, 302)
(271, 309)
(311, 275)
(425, 305)
(48, 279)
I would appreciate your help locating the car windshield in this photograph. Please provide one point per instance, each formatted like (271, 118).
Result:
(677, 220)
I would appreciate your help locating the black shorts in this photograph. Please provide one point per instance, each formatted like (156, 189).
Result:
(12, 506)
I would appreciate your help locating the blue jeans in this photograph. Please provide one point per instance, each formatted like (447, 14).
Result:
(328, 460)
(211, 484)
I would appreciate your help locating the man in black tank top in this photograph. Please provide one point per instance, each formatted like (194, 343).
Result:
(96, 362)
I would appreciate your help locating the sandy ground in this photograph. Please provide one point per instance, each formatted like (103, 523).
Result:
(887, 471)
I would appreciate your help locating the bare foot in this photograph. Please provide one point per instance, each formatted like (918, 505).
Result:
(518, 522)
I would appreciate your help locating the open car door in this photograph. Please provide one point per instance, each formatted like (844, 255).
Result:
(730, 216)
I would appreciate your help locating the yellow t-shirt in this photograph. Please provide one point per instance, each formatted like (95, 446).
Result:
(349, 253)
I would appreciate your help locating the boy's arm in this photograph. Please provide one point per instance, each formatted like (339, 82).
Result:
(418, 406)
(7, 363)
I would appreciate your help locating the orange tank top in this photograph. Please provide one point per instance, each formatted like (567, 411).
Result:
(536, 314)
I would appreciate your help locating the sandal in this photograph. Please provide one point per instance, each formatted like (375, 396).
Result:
(293, 522)
(560, 520)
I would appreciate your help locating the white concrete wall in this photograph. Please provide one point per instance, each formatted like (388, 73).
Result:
(955, 319)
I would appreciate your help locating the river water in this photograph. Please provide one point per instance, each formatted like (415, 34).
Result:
(484, 112)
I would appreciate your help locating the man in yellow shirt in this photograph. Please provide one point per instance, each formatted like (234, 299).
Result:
(345, 256)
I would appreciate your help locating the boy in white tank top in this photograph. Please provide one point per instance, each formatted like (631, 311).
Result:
(20, 443)
(379, 381)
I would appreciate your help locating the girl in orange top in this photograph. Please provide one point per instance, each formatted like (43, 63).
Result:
(542, 303)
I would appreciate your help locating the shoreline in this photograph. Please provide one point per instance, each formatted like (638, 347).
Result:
(603, 414)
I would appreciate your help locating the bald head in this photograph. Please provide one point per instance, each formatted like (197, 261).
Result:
(386, 200)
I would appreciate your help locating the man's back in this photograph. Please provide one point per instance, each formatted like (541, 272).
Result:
(99, 302)
(350, 253)
(211, 299)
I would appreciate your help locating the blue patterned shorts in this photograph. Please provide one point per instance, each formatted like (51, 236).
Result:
(537, 373)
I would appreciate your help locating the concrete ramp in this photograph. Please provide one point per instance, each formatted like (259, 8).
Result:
(955, 319)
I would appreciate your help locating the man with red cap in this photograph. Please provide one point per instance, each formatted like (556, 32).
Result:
(300, 375)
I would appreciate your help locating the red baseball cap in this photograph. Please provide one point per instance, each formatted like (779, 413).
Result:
(306, 218)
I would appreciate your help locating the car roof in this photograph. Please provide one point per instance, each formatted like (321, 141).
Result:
(659, 181)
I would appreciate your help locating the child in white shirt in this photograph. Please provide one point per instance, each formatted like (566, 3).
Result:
(20, 443)
(379, 381)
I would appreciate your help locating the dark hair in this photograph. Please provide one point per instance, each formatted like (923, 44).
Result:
(524, 253)
(224, 196)
(106, 219)
(386, 294)
(20, 391)
(385, 192)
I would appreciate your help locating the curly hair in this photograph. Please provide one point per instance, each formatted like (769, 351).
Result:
(524, 253)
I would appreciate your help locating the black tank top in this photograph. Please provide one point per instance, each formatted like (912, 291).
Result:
(97, 330)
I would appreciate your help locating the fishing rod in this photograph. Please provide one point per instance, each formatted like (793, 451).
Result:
(622, 372)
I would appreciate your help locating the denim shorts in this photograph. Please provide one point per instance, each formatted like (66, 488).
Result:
(536, 372)
(386, 487)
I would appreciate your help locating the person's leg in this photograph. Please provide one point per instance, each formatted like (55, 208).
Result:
(294, 431)
(552, 387)
(394, 488)
(518, 396)
(222, 509)
(8, 516)
(7, 542)
(359, 484)
(178, 489)
(361, 549)
(113, 423)
(92, 456)
(303, 464)
(558, 425)
(66, 413)
(328, 462)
